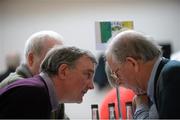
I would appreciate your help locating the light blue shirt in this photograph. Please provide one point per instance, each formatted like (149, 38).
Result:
(150, 89)
(143, 111)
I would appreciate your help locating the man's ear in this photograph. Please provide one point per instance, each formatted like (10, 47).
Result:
(30, 59)
(133, 63)
(63, 71)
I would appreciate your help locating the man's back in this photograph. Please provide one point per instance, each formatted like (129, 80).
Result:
(26, 98)
(167, 94)
(23, 72)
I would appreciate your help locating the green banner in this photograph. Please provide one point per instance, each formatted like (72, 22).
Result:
(105, 31)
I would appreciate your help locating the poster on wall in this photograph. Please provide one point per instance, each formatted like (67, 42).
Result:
(104, 30)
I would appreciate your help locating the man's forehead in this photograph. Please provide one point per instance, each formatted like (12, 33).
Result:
(84, 59)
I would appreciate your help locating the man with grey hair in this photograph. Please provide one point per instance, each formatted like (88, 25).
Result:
(35, 50)
(36, 47)
(136, 62)
(66, 75)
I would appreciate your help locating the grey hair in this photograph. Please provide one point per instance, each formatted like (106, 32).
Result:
(36, 42)
(63, 55)
(133, 44)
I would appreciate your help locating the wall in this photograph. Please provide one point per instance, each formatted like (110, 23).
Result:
(1, 30)
(74, 19)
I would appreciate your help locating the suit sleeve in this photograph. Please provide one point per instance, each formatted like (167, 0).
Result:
(26, 102)
(169, 94)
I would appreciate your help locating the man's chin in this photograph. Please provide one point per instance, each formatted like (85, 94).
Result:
(79, 101)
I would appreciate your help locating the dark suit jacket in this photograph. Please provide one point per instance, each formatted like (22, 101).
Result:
(26, 98)
(168, 90)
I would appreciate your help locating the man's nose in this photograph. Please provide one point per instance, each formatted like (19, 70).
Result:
(91, 85)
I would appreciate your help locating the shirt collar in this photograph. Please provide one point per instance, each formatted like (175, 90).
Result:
(150, 90)
(51, 90)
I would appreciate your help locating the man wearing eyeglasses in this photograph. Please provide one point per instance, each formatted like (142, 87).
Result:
(136, 62)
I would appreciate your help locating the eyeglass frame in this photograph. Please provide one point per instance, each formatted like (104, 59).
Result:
(114, 76)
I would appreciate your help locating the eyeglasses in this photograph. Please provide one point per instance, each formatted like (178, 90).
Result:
(114, 77)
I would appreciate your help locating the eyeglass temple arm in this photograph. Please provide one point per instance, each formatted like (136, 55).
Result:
(118, 101)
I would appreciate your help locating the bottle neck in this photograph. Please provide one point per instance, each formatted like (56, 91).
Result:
(112, 115)
(95, 114)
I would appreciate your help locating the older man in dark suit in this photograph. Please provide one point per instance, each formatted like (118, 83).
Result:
(136, 62)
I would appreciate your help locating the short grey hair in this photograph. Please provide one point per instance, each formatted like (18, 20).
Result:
(133, 44)
(63, 55)
(36, 42)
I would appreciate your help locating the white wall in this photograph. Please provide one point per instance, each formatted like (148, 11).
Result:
(1, 30)
(74, 19)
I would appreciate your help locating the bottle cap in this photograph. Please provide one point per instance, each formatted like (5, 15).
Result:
(111, 104)
(94, 106)
(129, 103)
